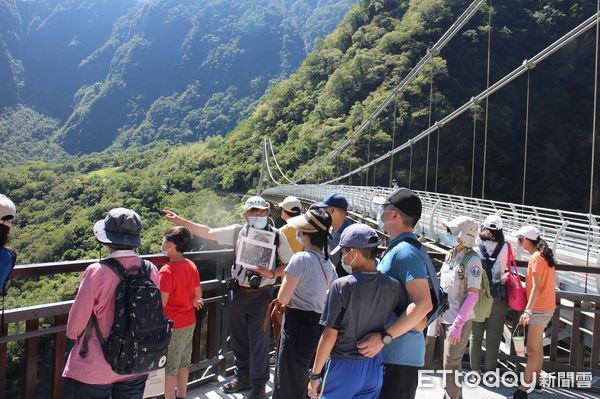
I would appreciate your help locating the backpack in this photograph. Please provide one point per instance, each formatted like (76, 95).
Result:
(483, 306)
(497, 290)
(439, 298)
(141, 332)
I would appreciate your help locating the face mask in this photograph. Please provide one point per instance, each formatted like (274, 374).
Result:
(299, 238)
(452, 239)
(379, 220)
(347, 267)
(258, 222)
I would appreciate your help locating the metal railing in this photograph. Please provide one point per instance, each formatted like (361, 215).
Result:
(575, 237)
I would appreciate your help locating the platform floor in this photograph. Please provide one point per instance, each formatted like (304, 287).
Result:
(213, 391)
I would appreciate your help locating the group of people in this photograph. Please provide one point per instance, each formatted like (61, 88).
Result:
(354, 325)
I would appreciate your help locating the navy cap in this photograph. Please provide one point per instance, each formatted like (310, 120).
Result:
(357, 235)
(334, 200)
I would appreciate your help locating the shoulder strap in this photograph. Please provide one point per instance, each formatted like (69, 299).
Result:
(322, 268)
(92, 326)
(497, 250)
(432, 277)
(116, 266)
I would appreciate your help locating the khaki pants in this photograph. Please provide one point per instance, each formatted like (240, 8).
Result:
(453, 355)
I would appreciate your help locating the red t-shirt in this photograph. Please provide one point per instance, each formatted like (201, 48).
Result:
(179, 279)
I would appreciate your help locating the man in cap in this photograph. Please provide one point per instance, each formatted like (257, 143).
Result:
(290, 207)
(247, 309)
(337, 207)
(92, 376)
(402, 343)
(357, 304)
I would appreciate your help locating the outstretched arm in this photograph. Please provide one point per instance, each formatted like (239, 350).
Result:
(196, 229)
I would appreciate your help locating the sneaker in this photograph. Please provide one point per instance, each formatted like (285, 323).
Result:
(238, 384)
(273, 359)
(520, 394)
(538, 387)
(258, 393)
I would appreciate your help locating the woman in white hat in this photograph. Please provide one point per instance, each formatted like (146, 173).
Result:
(8, 257)
(493, 251)
(461, 280)
(541, 301)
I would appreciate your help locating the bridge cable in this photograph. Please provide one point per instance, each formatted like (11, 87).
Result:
(594, 122)
(474, 142)
(277, 163)
(508, 78)
(267, 163)
(526, 136)
(429, 125)
(435, 49)
(410, 167)
(487, 99)
(437, 156)
(393, 140)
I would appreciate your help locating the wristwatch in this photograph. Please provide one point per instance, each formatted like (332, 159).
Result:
(385, 337)
(312, 376)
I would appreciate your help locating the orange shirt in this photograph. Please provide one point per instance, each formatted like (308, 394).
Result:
(538, 266)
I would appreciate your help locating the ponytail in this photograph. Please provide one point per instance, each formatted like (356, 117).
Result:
(543, 248)
(4, 229)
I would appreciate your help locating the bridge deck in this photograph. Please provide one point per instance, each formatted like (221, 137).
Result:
(213, 391)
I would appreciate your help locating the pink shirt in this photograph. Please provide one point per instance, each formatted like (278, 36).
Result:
(96, 294)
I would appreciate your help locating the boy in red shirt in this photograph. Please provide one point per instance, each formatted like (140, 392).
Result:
(181, 296)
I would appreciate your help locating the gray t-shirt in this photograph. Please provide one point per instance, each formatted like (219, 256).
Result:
(359, 304)
(315, 275)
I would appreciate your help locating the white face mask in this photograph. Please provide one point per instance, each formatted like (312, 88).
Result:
(347, 267)
(452, 240)
(258, 222)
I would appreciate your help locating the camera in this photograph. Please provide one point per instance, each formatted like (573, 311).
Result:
(254, 280)
(230, 283)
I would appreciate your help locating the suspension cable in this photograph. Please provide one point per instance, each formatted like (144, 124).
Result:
(266, 155)
(410, 167)
(473, 156)
(594, 122)
(437, 156)
(277, 163)
(429, 125)
(391, 177)
(435, 49)
(487, 99)
(542, 55)
(526, 136)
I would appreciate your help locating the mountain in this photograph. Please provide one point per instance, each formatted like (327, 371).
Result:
(122, 73)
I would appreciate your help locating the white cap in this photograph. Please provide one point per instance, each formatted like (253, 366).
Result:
(466, 228)
(493, 222)
(7, 208)
(528, 231)
(256, 202)
(291, 202)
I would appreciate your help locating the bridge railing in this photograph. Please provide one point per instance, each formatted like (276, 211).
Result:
(34, 347)
(575, 237)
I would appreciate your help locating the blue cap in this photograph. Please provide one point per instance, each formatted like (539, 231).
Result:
(334, 200)
(357, 235)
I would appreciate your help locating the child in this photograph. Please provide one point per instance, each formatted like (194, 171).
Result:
(181, 296)
(357, 304)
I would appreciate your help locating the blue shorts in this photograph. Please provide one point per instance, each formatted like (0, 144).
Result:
(359, 379)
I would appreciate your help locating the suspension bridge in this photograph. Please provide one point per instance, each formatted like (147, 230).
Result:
(572, 342)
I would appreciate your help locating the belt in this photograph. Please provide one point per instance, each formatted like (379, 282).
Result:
(259, 289)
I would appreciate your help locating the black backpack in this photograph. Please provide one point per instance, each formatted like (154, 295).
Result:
(141, 332)
(439, 298)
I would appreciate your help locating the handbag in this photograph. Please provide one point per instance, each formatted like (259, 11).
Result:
(517, 297)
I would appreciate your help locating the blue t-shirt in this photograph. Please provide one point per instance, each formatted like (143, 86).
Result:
(6, 265)
(404, 262)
